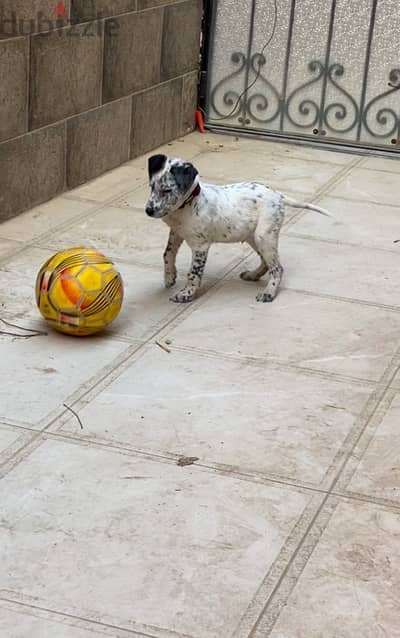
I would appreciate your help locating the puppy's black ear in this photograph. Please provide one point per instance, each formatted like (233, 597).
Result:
(184, 175)
(156, 164)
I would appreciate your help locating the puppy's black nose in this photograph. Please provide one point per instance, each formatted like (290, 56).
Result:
(150, 211)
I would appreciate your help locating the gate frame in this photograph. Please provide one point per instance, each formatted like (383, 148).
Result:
(208, 33)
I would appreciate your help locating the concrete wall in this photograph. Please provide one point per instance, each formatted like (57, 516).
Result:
(76, 101)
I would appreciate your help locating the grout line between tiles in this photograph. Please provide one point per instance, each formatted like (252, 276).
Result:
(169, 458)
(89, 623)
(266, 620)
(250, 621)
(362, 201)
(220, 469)
(277, 600)
(92, 210)
(365, 498)
(326, 188)
(10, 462)
(28, 83)
(365, 439)
(274, 364)
(336, 242)
(353, 300)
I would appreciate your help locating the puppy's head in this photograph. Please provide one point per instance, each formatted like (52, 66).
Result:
(171, 183)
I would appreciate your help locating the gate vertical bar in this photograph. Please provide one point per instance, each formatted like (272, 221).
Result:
(209, 18)
(287, 60)
(248, 61)
(326, 66)
(366, 67)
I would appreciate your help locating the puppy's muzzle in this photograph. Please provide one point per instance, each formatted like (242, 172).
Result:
(150, 210)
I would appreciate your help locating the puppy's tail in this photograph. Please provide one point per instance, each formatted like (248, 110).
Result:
(295, 204)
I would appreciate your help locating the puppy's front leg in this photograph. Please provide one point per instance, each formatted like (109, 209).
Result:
(194, 277)
(171, 251)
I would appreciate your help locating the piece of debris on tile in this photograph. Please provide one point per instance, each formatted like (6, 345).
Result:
(187, 460)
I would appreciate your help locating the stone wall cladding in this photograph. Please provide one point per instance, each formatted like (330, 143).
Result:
(86, 85)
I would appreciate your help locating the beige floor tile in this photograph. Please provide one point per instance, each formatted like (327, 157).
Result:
(112, 184)
(226, 412)
(38, 375)
(24, 621)
(133, 173)
(350, 585)
(136, 199)
(363, 185)
(345, 271)
(43, 219)
(146, 302)
(285, 174)
(8, 247)
(186, 147)
(311, 153)
(17, 284)
(391, 165)
(396, 381)
(131, 235)
(119, 233)
(204, 143)
(11, 440)
(355, 222)
(223, 143)
(170, 547)
(323, 334)
(378, 473)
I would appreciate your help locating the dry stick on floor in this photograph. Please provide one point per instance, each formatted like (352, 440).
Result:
(163, 347)
(74, 413)
(33, 333)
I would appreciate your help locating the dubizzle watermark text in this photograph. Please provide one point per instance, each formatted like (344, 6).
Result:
(12, 25)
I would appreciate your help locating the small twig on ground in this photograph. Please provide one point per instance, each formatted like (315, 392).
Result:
(163, 347)
(33, 333)
(74, 413)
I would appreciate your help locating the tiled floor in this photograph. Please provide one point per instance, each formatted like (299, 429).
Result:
(288, 525)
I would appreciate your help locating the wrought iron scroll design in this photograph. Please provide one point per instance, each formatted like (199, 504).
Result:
(230, 97)
(340, 116)
(385, 116)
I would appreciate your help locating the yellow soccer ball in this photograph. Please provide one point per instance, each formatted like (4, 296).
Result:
(79, 291)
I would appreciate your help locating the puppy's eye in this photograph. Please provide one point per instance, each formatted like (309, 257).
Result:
(166, 191)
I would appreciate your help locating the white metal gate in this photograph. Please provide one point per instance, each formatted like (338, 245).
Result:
(331, 71)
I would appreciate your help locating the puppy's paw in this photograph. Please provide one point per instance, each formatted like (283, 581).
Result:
(183, 296)
(264, 297)
(169, 278)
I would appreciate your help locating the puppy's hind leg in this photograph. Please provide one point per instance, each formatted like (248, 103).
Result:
(255, 275)
(171, 251)
(268, 247)
(266, 237)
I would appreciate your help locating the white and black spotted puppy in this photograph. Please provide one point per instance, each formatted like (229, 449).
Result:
(203, 214)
